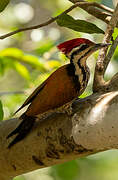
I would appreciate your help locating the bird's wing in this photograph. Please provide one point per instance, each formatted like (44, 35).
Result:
(58, 90)
(32, 96)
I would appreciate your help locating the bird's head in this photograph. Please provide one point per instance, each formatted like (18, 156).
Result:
(79, 47)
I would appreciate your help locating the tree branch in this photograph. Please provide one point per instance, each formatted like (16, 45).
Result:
(102, 62)
(95, 4)
(53, 19)
(110, 53)
(96, 12)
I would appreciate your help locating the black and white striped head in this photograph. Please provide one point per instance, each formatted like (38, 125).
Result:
(79, 47)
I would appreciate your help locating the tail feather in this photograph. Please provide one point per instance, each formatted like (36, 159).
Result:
(22, 130)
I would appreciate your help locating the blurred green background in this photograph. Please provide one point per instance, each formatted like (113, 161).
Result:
(28, 58)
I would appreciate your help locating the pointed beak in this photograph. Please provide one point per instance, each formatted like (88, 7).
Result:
(101, 45)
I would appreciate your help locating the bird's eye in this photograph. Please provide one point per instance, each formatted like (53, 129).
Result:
(79, 49)
(83, 47)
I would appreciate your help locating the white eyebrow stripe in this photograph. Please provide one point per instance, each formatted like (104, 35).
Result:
(76, 48)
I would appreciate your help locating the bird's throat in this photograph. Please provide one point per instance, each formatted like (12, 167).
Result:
(71, 72)
(80, 73)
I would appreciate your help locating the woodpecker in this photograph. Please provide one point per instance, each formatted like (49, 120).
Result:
(61, 87)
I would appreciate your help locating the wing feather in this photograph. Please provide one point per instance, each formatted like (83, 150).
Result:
(59, 90)
(32, 96)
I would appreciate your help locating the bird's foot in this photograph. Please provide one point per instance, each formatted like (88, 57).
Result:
(66, 108)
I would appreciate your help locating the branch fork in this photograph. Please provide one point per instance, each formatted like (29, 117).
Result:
(104, 58)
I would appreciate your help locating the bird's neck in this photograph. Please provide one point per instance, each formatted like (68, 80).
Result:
(81, 69)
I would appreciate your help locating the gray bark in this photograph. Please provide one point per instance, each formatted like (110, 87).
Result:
(92, 128)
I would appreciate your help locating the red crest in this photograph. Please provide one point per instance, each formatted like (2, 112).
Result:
(67, 46)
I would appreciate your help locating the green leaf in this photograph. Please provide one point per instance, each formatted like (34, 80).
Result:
(66, 171)
(18, 55)
(33, 61)
(44, 47)
(78, 25)
(52, 64)
(19, 178)
(1, 112)
(3, 4)
(115, 33)
(11, 52)
(21, 70)
(2, 66)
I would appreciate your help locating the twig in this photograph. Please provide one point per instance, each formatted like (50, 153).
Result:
(101, 6)
(51, 20)
(101, 64)
(94, 11)
(110, 53)
(11, 93)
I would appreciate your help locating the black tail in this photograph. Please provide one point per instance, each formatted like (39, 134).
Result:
(22, 130)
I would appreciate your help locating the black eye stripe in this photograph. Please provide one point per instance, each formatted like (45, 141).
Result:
(83, 47)
(85, 54)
